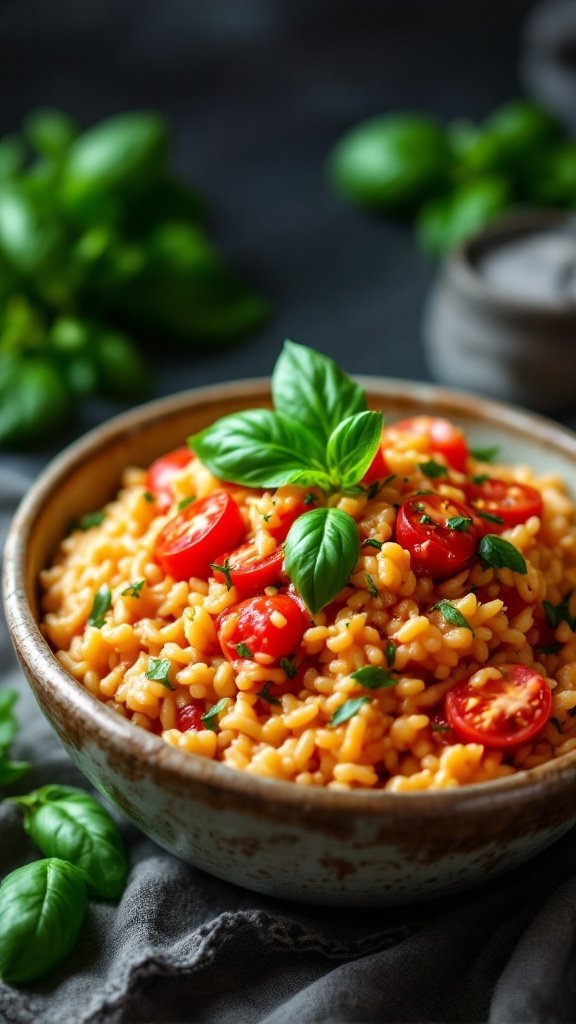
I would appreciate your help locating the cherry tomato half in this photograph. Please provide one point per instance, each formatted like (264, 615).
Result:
(504, 712)
(249, 572)
(161, 473)
(190, 716)
(271, 627)
(513, 503)
(193, 538)
(443, 437)
(436, 549)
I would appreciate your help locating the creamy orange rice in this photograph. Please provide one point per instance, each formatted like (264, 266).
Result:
(392, 742)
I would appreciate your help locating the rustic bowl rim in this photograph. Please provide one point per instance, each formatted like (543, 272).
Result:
(151, 751)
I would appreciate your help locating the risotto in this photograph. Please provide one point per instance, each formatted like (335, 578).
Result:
(448, 656)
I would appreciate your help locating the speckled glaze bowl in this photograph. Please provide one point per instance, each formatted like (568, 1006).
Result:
(317, 846)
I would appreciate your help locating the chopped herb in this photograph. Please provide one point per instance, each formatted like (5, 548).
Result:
(373, 490)
(209, 718)
(389, 479)
(390, 653)
(440, 727)
(550, 649)
(432, 469)
(485, 454)
(185, 502)
(266, 695)
(373, 678)
(149, 497)
(425, 519)
(243, 650)
(100, 605)
(158, 669)
(556, 723)
(372, 543)
(371, 585)
(88, 520)
(134, 589)
(451, 614)
(225, 570)
(480, 478)
(460, 523)
(555, 614)
(310, 498)
(288, 667)
(267, 517)
(418, 507)
(501, 554)
(348, 710)
(490, 517)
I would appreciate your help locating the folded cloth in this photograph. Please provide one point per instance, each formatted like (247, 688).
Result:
(184, 947)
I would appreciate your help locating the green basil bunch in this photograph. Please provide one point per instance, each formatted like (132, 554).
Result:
(10, 771)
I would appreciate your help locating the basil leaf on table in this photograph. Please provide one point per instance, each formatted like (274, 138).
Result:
(501, 554)
(352, 446)
(322, 548)
(42, 906)
(313, 388)
(67, 822)
(259, 448)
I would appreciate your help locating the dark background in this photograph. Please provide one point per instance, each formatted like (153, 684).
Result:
(256, 91)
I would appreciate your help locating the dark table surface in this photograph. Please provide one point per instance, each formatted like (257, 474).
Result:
(256, 92)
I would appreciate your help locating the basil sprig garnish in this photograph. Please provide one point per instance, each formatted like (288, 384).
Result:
(101, 604)
(451, 614)
(372, 677)
(42, 906)
(158, 672)
(348, 710)
(501, 554)
(68, 823)
(210, 718)
(322, 548)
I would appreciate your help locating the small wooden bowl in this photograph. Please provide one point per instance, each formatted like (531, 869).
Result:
(313, 845)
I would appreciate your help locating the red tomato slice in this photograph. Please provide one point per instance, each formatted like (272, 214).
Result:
(190, 717)
(259, 628)
(443, 437)
(503, 713)
(248, 571)
(511, 502)
(436, 549)
(513, 602)
(193, 538)
(377, 470)
(161, 473)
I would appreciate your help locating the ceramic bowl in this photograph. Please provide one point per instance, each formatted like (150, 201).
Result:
(312, 845)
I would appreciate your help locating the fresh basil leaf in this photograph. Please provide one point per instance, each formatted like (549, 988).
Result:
(89, 520)
(12, 771)
(460, 523)
(312, 388)
(267, 696)
(352, 446)
(321, 550)
(490, 517)
(66, 822)
(42, 906)
(348, 710)
(480, 478)
(451, 614)
(134, 589)
(373, 678)
(258, 448)
(432, 469)
(390, 653)
(185, 502)
(159, 670)
(485, 454)
(501, 554)
(210, 718)
(101, 604)
(288, 667)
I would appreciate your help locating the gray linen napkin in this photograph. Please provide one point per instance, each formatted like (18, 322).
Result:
(184, 947)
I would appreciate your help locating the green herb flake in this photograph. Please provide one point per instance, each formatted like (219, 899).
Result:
(451, 614)
(388, 479)
(479, 478)
(432, 469)
(460, 523)
(550, 649)
(225, 570)
(425, 520)
(372, 543)
(555, 614)
(485, 454)
(373, 678)
(134, 590)
(390, 653)
(243, 650)
(267, 696)
(267, 516)
(85, 522)
(158, 669)
(210, 718)
(556, 724)
(501, 554)
(373, 490)
(440, 727)
(288, 667)
(490, 517)
(185, 502)
(371, 586)
(101, 604)
(149, 497)
(310, 499)
(348, 710)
